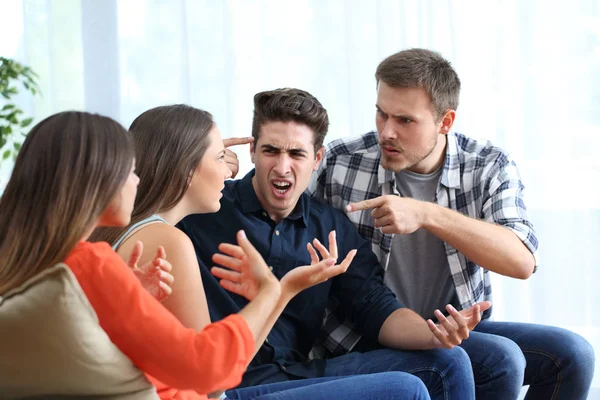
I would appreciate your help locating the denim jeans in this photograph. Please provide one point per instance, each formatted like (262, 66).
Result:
(446, 373)
(382, 386)
(556, 363)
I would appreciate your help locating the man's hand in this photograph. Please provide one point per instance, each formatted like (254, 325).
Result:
(318, 271)
(247, 272)
(394, 214)
(155, 276)
(451, 331)
(230, 157)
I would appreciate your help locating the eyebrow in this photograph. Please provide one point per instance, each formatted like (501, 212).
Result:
(397, 115)
(275, 148)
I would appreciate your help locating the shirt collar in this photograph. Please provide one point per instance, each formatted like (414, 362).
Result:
(249, 203)
(451, 173)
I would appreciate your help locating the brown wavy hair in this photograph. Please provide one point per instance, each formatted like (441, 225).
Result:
(71, 166)
(169, 142)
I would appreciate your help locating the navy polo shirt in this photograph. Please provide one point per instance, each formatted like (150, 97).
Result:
(359, 293)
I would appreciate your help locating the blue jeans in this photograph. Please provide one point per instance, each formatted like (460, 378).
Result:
(446, 373)
(383, 386)
(556, 363)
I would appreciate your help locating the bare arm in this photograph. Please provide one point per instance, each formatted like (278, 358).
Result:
(492, 246)
(188, 300)
(406, 330)
(236, 279)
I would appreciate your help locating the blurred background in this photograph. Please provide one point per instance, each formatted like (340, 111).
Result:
(530, 73)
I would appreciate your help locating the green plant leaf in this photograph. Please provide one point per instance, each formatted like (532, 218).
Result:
(8, 107)
(2, 142)
(17, 146)
(6, 154)
(26, 122)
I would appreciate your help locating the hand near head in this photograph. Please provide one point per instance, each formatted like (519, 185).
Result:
(230, 157)
(155, 276)
(247, 272)
(393, 214)
(318, 271)
(451, 331)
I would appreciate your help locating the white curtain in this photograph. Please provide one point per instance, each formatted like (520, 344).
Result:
(530, 73)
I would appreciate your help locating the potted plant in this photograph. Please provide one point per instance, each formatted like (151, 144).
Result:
(13, 122)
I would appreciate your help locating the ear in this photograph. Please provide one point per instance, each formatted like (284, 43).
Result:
(319, 158)
(447, 122)
(252, 152)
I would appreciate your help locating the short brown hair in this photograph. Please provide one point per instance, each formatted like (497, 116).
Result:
(422, 68)
(285, 105)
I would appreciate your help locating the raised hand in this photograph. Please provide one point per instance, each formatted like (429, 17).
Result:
(451, 331)
(318, 271)
(155, 276)
(247, 271)
(230, 157)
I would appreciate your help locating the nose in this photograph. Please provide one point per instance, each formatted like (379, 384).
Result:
(282, 167)
(227, 171)
(388, 133)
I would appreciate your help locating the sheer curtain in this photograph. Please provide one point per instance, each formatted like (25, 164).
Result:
(530, 73)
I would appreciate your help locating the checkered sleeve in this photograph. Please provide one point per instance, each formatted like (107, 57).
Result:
(505, 204)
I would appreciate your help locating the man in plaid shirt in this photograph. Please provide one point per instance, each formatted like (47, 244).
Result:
(442, 210)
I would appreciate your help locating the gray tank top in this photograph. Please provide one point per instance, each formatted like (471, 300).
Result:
(133, 227)
(418, 271)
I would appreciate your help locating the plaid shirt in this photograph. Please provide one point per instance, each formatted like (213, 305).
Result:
(478, 180)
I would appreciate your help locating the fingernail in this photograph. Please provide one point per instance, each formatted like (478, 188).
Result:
(242, 234)
(348, 208)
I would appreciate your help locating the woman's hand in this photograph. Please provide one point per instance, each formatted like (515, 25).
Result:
(247, 272)
(155, 276)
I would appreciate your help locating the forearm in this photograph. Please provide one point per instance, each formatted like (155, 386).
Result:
(492, 246)
(258, 313)
(406, 330)
(283, 301)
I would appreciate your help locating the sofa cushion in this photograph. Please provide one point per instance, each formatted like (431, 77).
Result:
(51, 344)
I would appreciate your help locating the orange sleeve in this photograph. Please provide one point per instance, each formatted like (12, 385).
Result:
(151, 336)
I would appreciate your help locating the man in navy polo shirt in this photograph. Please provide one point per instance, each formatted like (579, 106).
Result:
(269, 203)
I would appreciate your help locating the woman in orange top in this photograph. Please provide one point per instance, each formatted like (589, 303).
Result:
(76, 172)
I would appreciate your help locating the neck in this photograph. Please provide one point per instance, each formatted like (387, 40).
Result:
(177, 213)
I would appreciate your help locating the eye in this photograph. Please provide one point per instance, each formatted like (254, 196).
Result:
(406, 120)
(381, 113)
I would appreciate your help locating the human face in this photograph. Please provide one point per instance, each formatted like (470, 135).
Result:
(409, 136)
(208, 180)
(285, 159)
(118, 213)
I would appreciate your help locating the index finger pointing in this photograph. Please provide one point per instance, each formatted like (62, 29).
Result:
(365, 204)
(235, 141)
